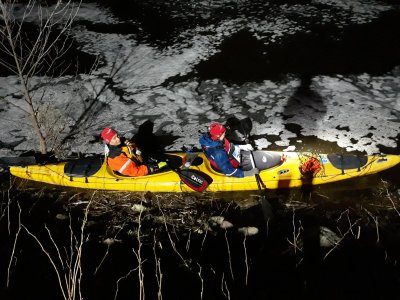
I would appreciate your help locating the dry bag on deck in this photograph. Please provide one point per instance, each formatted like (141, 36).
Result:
(310, 167)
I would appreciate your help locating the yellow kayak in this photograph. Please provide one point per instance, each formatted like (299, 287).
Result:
(296, 170)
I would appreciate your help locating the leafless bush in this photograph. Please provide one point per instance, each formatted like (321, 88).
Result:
(66, 261)
(30, 57)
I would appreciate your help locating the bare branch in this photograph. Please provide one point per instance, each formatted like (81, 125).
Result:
(139, 258)
(245, 258)
(32, 57)
(14, 245)
(69, 274)
(158, 272)
(229, 255)
(51, 261)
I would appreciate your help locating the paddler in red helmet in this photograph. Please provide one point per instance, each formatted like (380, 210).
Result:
(124, 157)
(223, 155)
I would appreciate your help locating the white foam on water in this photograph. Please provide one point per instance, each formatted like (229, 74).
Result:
(358, 112)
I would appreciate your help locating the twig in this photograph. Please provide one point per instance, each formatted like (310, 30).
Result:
(188, 241)
(229, 255)
(202, 281)
(203, 241)
(296, 233)
(51, 261)
(341, 239)
(105, 254)
(391, 200)
(123, 277)
(139, 259)
(169, 235)
(245, 258)
(14, 245)
(376, 224)
(158, 272)
(70, 282)
(224, 286)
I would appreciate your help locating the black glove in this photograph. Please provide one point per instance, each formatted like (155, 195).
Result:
(152, 168)
(252, 172)
(151, 160)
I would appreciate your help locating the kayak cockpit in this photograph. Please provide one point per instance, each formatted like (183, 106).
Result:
(346, 162)
(263, 160)
(84, 167)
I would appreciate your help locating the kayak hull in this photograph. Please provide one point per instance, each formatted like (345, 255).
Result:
(286, 174)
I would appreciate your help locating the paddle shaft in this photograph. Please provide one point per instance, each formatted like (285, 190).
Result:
(266, 206)
(258, 178)
(260, 183)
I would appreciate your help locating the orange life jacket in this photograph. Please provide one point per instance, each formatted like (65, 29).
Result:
(126, 160)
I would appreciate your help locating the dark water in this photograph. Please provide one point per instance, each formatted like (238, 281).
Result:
(322, 49)
(208, 262)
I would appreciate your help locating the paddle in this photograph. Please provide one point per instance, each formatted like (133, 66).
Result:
(246, 126)
(194, 179)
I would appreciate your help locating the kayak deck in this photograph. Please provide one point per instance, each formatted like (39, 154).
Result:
(95, 174)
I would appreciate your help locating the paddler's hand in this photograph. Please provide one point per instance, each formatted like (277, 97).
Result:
(152, 169)
(155, 167)
(161, 164)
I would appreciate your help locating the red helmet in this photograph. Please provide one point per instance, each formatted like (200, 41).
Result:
(107, 134)
(216, 130)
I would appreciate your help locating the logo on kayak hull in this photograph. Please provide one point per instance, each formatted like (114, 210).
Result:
(281, 172)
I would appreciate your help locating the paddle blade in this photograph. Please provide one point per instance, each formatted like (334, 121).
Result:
(246, 125)
(239, 130)
(194, 179)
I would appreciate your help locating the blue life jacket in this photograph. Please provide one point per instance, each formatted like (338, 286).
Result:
(218, 156)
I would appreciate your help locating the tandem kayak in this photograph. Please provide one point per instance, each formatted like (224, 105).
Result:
(298, 169)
